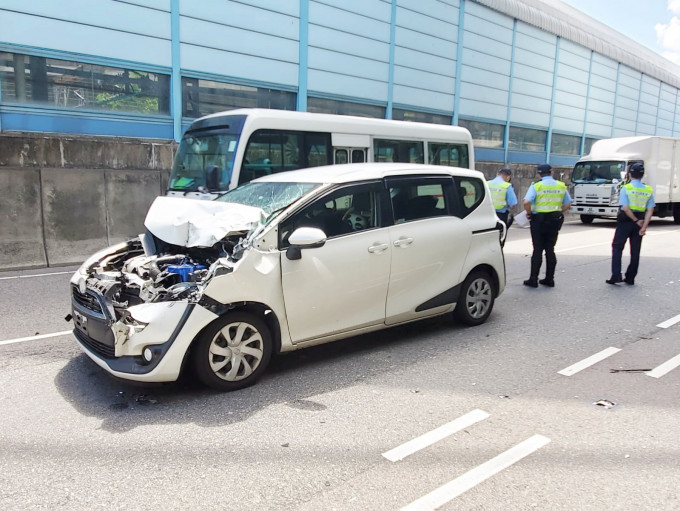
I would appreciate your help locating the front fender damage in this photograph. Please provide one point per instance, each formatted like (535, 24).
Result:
(145, 325)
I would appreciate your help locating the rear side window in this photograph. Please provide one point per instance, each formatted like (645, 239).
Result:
(449, 155)
(403, 151)
(418, 198)
(470, 193)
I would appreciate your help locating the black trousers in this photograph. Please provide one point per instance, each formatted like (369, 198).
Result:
(544, 230)
(626, 231)
(505, 217)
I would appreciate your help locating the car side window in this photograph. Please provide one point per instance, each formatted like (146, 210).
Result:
(340, 212)
(470, 193)
(418, 198)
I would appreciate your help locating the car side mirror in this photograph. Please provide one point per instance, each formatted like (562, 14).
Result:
(304, 237)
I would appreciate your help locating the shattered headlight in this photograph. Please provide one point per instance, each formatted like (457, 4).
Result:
(98, 256)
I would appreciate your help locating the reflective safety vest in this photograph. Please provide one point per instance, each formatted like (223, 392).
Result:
(638, 197)
(549, 197)
(499, 194)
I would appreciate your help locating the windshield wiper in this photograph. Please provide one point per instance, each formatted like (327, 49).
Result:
(271, 215)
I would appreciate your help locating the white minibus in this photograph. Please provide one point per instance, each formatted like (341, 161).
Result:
(223, 150)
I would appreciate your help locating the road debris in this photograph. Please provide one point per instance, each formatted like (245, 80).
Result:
(605, 403)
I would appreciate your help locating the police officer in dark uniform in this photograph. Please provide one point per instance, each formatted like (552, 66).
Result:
(545, 202)
(636, 206)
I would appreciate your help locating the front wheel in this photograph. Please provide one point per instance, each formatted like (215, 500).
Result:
(587, 219)
(233, 352)
(476, 299)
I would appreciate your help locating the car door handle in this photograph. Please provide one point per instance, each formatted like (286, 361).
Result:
(403, 242)
(378, 248)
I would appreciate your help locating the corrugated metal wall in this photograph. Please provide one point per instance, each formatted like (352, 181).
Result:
(554, 83)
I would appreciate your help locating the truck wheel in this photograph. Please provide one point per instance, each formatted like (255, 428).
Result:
(233, 352)
(476, 299)
(676, 215)
(587, 219)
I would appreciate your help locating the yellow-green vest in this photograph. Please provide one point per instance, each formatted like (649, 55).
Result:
(638, 197)
(549, 197)
(499, 194)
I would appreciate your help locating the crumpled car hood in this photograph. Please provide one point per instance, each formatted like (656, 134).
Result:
(198, 223)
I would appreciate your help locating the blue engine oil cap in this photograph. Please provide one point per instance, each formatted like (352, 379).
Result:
(184, 270)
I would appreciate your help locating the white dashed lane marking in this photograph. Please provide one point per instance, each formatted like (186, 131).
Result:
(669, 322)
(35, 337)
(37, 275)
(664, 368)
(585, 363)
(408, 448)
(472, 478)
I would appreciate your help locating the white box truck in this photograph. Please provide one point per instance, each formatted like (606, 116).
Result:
(598, 176)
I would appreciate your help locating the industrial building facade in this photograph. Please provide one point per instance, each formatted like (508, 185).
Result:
(532, 80)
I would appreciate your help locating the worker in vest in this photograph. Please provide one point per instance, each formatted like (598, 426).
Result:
(545, 202)
(636, 206)
(503, 195)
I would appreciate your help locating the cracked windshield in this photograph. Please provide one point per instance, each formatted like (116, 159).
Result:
(271, 197)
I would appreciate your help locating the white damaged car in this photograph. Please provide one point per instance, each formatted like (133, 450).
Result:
(285, 262)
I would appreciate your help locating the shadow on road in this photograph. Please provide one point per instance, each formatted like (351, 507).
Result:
(291, 379)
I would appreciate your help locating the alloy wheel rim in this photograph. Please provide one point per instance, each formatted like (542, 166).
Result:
(236, 351)
(478, 298)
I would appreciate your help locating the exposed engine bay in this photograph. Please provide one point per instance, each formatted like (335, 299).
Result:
(155, 268)
(130, 277)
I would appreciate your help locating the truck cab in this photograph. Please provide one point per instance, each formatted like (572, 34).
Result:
(598, 176)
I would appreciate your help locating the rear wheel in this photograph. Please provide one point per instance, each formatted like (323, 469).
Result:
(233, 352)
(676, 215)
(587, 219)
(476, 299)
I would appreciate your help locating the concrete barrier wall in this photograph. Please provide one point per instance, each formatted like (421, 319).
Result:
(63, 198)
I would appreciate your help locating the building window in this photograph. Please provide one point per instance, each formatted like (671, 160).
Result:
(565, 144)
(525, 139)
(331, 106)
(70, 84)
(408, 115)
(203, 97)
(587, 146)
(485, 134)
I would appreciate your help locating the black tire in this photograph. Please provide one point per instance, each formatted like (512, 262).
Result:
(587, 219)
(477, 296)
(233, 352)
(676, 215)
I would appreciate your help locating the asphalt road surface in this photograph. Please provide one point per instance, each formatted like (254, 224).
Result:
(567, 398)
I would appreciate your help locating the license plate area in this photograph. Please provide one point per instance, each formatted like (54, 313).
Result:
(80, 322)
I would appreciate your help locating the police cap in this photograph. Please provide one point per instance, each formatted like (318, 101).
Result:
(505, 170)
(637, 169)
(544, 168)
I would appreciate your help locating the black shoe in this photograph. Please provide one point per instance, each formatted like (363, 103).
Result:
(630, 282)
(531, 283)
(614, 280)
(547, 282)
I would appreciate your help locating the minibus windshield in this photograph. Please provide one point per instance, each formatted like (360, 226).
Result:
(204, 159)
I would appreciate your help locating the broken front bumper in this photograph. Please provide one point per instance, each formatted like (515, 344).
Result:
(147, 344)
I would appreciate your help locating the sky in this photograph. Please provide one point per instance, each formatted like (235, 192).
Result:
(652, 23)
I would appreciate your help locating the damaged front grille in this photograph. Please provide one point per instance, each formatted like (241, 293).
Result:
(87, 301)
(95, 346)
